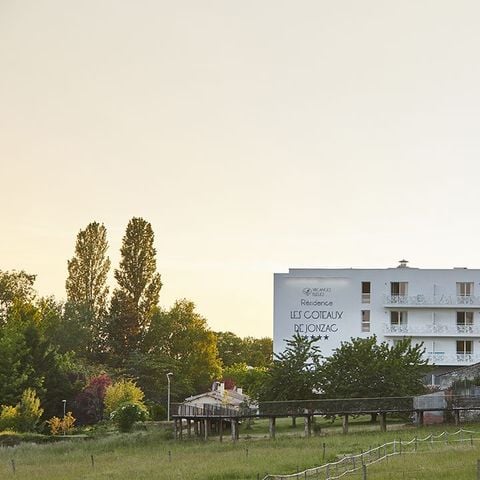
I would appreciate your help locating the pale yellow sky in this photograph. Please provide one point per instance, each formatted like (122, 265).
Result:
(253, 135)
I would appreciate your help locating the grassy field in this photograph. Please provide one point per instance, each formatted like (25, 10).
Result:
(148, 455)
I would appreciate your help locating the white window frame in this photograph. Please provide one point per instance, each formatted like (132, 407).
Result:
(365, 321)
(464, 289)
(366, 296)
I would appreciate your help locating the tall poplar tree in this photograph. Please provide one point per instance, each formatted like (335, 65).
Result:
(139, 284)
(86, 285)
(88, 269)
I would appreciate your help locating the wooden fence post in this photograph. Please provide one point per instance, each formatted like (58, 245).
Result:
(364, 472)
(345, 423)
(271, 428)
(383, 421)
(478, 469)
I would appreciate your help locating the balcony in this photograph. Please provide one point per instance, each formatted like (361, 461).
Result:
(440, 358)
(428, 330)
(433, 301)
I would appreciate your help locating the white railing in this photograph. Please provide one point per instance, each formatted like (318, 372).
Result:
(434, 300)
(453, 358)
(432, 329)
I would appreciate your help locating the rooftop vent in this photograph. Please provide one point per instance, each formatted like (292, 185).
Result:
(402, 264)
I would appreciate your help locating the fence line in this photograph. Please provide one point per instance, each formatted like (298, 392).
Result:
(354, 463)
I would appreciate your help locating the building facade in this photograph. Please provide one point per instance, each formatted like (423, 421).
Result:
(439, 307)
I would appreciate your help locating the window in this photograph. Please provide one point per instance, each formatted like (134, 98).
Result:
(464, 289)
(366, 290)
(398, 289)
(464, 347)
(464, 322)
(365, 320)
(398, 322)
(398, 318)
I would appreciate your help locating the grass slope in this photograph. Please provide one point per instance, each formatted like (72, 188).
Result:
(145, 455)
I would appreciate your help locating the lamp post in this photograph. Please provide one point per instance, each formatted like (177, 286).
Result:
(169, 374)
(64, 409)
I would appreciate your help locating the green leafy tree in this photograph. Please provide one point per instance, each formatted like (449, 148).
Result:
(136, 298)
(29, 360)
(230, 348)
(364, 368)
(255, 352)
(182, 335)
(86, 284)
(15, 287)
(294, 374)
(251, 379)
(258, 352)
(88, 269)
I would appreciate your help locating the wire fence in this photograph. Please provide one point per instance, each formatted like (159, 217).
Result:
(356, 464)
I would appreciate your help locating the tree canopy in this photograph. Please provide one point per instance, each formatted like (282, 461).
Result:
(364, 368)
(294, 374)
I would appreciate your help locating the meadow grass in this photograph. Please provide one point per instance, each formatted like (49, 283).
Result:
(145, 455)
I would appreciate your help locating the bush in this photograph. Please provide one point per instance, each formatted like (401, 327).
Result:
(61, 425)
(29, 411)
(8, 418)
(24, 417)
(127, 414)
(158, 412)
(120, 393)
(89, 403)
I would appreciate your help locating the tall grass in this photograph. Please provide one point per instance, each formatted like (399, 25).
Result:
(145, 455)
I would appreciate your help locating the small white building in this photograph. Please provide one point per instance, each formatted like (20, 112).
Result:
(439, 307)
(219, 396)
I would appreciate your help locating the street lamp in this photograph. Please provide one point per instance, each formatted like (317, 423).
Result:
(64, 409)
(168, 395)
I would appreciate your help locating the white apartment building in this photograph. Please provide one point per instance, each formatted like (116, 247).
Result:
(439, 307)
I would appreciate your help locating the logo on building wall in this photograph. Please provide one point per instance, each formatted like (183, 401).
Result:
(316, 292)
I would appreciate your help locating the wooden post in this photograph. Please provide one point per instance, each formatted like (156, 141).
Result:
(364, 472)
(205, 429)
(237, 428)
(195, 427)
(180, 423)
(383, 421)
(294, 421)
(308, 425)
(189, 427)
(233, 423)
(271, 428)
(220, 427)
(175, 429)
(478, 469)
(345, 423)
(457, 417)
(420, 418)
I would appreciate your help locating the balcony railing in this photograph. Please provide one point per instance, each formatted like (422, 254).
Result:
(453, 358)
(432, 329)
(434, 300)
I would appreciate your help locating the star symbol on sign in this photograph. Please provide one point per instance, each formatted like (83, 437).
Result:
(325, 337)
